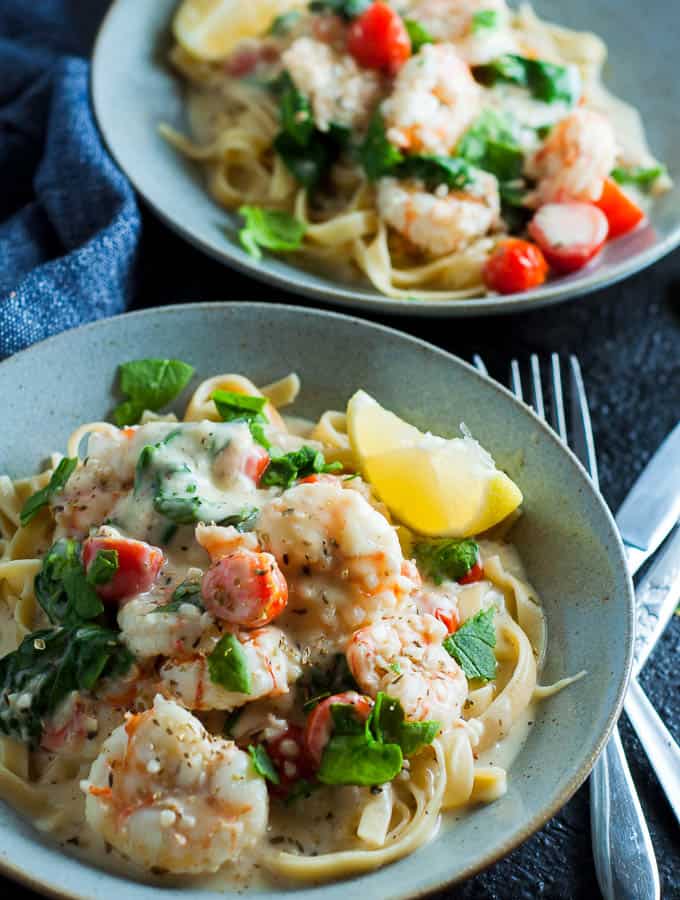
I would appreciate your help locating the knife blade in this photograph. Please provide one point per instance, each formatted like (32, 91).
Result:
(652, 507)
(657, 597)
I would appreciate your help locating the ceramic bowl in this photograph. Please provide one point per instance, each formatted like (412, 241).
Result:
(567, 539)
(133, 90)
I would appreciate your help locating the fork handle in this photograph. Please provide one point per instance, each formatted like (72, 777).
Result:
(657, 741)
(624, 857)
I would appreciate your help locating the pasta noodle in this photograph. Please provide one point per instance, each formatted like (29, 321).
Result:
(347, 828)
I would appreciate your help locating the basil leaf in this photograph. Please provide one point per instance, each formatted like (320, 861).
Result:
(149, 384)
(228, 665)
(47, 666)
(284, 471)
(284, 24)
(377, 155)
(234, 407)
(346, 9)
(484, 19)
(351, 759)
(262, 763)
(472, 646)
(57, 482)
(269, 228)
(418, 35)
(546, 81)
(186, 592)
(388, 724)
(62, 587)
(446, 559)
(103, 567)
(639, 176)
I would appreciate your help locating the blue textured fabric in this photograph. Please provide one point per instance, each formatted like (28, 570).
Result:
(69, 222)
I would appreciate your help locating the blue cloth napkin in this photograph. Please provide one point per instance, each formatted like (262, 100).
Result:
(69, 222)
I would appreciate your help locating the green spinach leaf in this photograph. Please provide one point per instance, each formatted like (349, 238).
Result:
(149, 384)
(472, 646)
(56, 484)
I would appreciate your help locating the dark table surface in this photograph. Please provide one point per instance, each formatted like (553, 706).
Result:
(628, 341)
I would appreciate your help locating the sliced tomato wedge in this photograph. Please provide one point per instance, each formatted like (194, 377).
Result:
(622, 213)
(515, 265)
(288, 752)
(569, 234)
(256, 463)
(245, 588)
(138, 565)
(476, 573)
(449, 618)
(378, 39)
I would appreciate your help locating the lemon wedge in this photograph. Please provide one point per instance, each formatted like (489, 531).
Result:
(210, 29)
(438, 487)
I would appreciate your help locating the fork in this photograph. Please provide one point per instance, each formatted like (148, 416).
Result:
(622, 848)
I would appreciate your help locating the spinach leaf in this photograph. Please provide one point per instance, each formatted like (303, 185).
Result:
(388, 724)
(490, 144)
(347, 9)
(545, 81)
(472, 646)
(57, 482)
(103, 567)
(63, 589)
(484, 19)
(178, 508)
(447, 558)
(262, 763)
(186, 592)
(244, 520)
(47, 666)
(455, 173)
(284, 24)
(234, 407)
(297, 120)
(284, 471)
(228, 665)
(377, 155)
(269, 228)
(418, 35)
(643, 178)
(149, 384)
(318, 683)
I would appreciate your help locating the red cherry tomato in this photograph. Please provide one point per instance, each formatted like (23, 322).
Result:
(378, 39)
(291, 760)
(476, 573)
(515, 265)
(138, 565)
(622, 214)
(245, 588)
(569, 234)
(319, 725)
(256, 463)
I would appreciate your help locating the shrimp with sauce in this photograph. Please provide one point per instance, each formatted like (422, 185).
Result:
(340, 556)
(169, 795)
(442, 221)
(435, 100)
(458, 21)
(404, 657)
(574, 160)
(271, 663)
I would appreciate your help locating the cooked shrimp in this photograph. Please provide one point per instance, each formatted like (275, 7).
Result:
(340, 556)
(149, 630)
(88, 498)
(404, 657)
(435, 100)
(221, 540)
(339, 91)
(319, 725)
(440, 222)
(575, 159)
(271, 662)
(245, 588)
(169, 795)
(455, 21)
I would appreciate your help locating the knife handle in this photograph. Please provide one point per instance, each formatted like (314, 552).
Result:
(624, 856)
(657, 741)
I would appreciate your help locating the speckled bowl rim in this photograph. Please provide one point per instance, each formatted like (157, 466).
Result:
(554, 292)
(578, 778)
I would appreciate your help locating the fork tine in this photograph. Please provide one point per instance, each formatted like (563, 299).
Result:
(560, 423)
(516, 380)
(479, 364)
(584, 445)
(537, 387)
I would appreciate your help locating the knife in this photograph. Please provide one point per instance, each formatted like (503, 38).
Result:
(652, 507)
